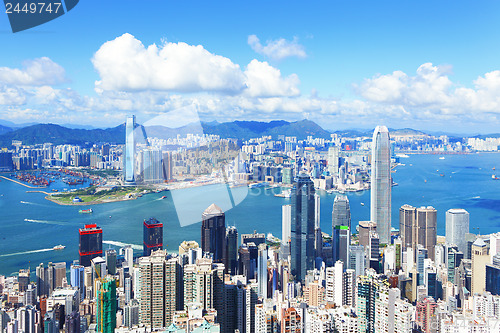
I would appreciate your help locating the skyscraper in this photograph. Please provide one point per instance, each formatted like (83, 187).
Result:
(213, 233)
(333, 161)
(106, 306)
(406, 223)
(340, 243)
(232, 250)
(90, 243)
(341, 228)
(111, 261)
(262, 271)
(286, 223)
(418, 226)
(159, 289)
(380, 210)
(302, 232)
(129, 165)
(426, 229)
(153, 236)
(341, 211)
(153, 166)
(457, 225)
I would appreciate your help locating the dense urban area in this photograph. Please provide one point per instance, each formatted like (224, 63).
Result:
(357, 276)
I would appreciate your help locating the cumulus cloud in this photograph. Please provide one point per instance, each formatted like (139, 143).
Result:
(278, 49)
(11, 96)
(36, 72)
(429, 86)
(126, 64)
(263, 80)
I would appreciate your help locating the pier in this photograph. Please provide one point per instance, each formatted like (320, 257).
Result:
(15, 181)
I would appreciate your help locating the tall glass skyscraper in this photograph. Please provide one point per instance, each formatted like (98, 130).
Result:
(380, 210)
(457, 225)
(302, 233)
(341, 228)
(213, 233)
(152, 236)
(129, 166)
(341, 212)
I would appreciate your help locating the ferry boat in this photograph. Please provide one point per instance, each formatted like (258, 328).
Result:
(58, 247)
(86, 211)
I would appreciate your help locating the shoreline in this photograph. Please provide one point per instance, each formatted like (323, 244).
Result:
(48, 197)
(180, 186)
(18, 182)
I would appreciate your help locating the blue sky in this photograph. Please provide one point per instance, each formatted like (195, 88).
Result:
(432, 65)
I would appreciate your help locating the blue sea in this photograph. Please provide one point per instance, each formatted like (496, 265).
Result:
(31, 226)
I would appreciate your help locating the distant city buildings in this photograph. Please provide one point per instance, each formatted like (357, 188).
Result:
(307, 281)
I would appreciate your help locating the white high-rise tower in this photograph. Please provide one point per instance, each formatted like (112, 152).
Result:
(380, 210)
(129, 165)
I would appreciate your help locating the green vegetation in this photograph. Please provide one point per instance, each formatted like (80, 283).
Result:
(96, 195)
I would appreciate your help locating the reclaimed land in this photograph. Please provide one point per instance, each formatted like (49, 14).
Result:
(93, 195)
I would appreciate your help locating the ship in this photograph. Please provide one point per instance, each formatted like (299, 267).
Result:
(163, 197)
(86, 211)
(494, 177)
(441, 158)
(58, 247)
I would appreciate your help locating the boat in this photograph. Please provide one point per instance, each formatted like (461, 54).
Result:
(494, 177)
(284, 194)
(163, 197)
(362, 204)
(442, 174)
(58, 247)
(86, 211)
(441, 158)
(402, 156)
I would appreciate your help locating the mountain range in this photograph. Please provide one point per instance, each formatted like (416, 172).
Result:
(75, 134)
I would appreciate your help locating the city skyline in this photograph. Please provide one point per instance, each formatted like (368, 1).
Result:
(368, 67)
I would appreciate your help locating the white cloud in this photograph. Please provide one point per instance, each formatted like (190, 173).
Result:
(125, 64)
(278, 49)
(264, 80)
(36, 72)
(11, 96)
(429, 87)
(431, 93)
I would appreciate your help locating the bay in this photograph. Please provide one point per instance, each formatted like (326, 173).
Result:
(30, 225)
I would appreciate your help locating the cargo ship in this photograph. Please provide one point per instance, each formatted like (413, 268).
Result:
(85, 211)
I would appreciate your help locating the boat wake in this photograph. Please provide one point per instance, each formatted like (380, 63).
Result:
(43, 222)
(25, 252)
(31, 203)
(120, 244)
